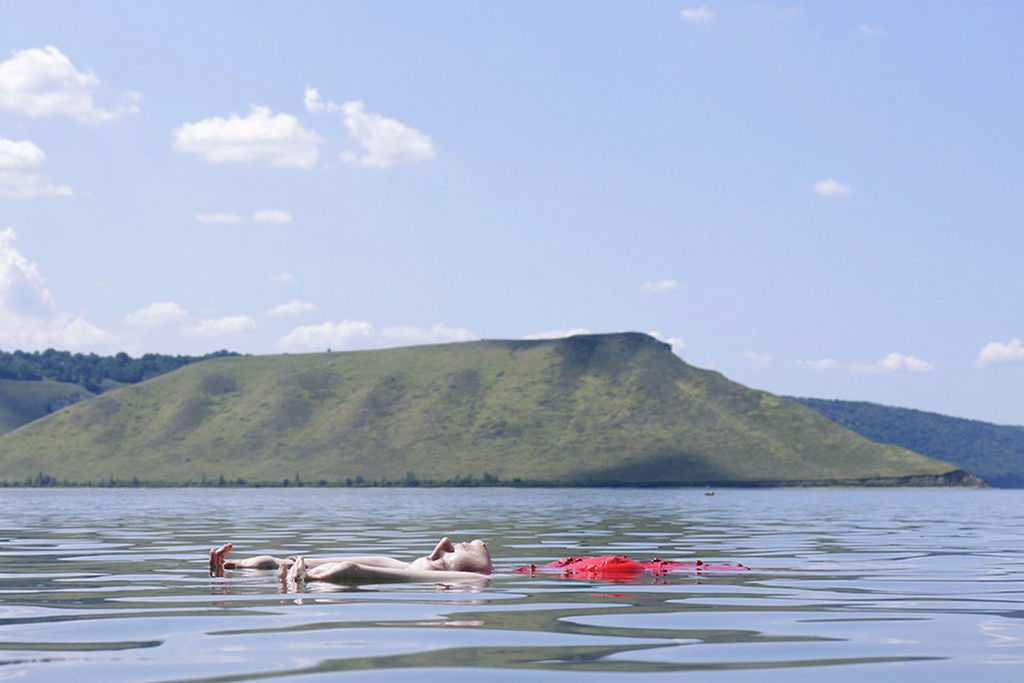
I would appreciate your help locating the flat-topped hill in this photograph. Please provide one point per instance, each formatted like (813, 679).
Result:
(593, 409)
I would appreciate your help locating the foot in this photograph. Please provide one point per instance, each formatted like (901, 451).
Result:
(217, 562)
(297, 572)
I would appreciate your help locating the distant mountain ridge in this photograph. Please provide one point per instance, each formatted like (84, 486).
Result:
(993, 452)
(590, 409)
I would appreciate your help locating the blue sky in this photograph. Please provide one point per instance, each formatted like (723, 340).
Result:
(819, 199)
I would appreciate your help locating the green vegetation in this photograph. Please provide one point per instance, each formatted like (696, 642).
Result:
(993, 452)
(594, 409)
(92, 372)
(23, 401)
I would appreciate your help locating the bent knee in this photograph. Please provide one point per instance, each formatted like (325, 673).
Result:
(259, 562)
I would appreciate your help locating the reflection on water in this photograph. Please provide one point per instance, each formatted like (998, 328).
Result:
(845, 583)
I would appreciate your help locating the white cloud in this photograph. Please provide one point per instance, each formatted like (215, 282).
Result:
(820, 365)
(22, 289)
(28, 319)
(359, 334)
(280, 139)
(998, 353)
(271, 216)
(438, 333)
(558, 334)
(872, 31)
(27, 185)
(327, 335)
(293, 307)
(283, 278)
(831, 188)
(316, 105)
(660, 286)
(675, 342)
(758, 361)
(697, 15)
(20, 154)
(386, 142)
(17, 179)
(215, 327)
(218, 217)
(160, 313)
(72, 332)
(895, 362)
(43, 82)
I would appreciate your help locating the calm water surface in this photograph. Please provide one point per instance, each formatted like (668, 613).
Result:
(896, 584)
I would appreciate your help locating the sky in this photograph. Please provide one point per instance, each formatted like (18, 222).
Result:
(814, 199)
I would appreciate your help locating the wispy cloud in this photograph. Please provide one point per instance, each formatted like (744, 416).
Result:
(558, 334)
(156, 314)
(385, 142)
(349, 334)
(871, 31)
(216, 327)
(293, 307)
(758, 361)
(820, 365)
(315, 104)
(218, 218)
(272, 216)
(40, 82)
(831, 188)
(660, 286)
(895, 362)
(697, 15)
(439, 332)
(283, 278)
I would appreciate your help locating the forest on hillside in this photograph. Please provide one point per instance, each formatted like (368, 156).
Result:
(91, 370)
(993, 452)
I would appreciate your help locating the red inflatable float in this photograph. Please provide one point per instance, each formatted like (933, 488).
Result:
(620, 567)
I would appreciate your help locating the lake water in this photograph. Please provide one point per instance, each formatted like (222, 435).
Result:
(908, 584)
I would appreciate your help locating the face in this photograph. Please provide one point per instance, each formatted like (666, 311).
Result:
(460, 557)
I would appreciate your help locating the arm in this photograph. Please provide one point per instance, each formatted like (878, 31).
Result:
(219, 561)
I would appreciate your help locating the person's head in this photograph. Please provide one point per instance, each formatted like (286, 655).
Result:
(461, 557)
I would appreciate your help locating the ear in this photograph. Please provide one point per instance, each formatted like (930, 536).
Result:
(443, 546)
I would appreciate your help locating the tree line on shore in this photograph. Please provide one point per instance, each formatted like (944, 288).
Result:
(91, 371)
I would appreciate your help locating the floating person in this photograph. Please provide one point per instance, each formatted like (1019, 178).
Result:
(449, 562)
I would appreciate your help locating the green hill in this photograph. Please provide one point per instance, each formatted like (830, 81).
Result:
(593, 409)
(993, 452)
(23, 401)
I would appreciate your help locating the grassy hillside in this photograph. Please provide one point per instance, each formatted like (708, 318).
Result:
(615, 408)
(23, 401)
(993, 452)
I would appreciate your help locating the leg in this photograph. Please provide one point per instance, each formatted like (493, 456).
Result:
(218, 561)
